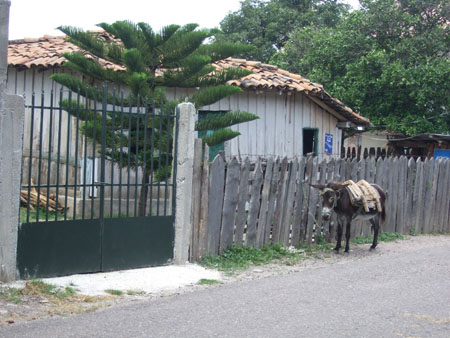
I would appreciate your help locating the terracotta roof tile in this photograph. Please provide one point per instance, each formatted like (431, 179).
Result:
(46, 53)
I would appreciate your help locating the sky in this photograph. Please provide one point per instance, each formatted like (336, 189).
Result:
(36, 18)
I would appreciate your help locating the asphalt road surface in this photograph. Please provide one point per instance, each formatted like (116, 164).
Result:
(394, 294)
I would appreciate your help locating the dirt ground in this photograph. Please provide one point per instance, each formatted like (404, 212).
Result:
(34, 306)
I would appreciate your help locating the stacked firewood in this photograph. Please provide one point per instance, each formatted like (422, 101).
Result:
(44, 200)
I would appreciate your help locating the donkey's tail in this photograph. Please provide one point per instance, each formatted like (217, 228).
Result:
(383, 215)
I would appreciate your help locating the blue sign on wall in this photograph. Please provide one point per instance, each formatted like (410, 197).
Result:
(328, 143)
(441, 153)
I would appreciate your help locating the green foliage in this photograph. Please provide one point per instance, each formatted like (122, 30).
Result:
(114, 292)
(388, 61)
(267, 25)
(225, 120)
(220, 136)
(184, 56)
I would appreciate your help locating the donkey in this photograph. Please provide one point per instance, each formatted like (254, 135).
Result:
(336, 197)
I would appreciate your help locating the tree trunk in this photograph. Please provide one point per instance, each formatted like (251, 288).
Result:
(144, 194)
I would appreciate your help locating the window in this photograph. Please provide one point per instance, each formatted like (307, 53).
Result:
(310, 141)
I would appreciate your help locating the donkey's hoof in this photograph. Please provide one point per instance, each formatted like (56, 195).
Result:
(336, 250)
(372, 248)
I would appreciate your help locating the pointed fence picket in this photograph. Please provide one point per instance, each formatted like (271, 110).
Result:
(271, 200)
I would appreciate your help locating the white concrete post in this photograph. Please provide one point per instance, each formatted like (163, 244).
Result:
(185, 164)
(12, 112)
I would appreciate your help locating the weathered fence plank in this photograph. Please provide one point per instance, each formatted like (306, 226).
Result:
(254, 204)
(196, 199)
(307, 191)
(229, 205)
(409, 195)
(262, 219)
(289, 207)
(417, 197)
(281, 198)
(216, 189)
(446, 206)
(440, 197)
(204, 205)
(401, 195)
(271, 207)
(428, 189)
(297, 222)
(312, 205)
(322, 180)
(242, 201)
(432, 201)
(445, 209)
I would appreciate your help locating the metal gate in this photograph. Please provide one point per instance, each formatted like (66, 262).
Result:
(98, 186)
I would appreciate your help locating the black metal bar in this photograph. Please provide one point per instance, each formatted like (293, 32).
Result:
(152, 156)
(49, 163)
(66, 193)
(30, 162)
(160, 132)
(113, 131)
(77, 133)
(129, 157)
(167, 162)
(136, 175)
(94, 146)
(121, 153)
(86, 119)
(41, 133)
(102, 172)
(144, 169)
(59, 152)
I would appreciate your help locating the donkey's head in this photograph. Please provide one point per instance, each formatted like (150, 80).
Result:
(329, 195)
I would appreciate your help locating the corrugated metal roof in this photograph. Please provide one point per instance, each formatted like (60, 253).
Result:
(46, 53)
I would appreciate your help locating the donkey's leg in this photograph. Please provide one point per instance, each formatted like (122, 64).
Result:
(347, 235)
(339, 235)
(376, 227)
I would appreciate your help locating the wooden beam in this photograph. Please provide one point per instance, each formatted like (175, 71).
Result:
(328, 108)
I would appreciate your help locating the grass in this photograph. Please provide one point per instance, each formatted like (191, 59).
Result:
(135, 293)
(42, 215)
(382, 237)
(242, 257)
(36, 287)
(114, 292)
(205, 281)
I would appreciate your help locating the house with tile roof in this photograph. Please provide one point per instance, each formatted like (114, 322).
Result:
(297, 116)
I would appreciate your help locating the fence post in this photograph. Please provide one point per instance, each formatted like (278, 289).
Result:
(12, 112)
(184, 169)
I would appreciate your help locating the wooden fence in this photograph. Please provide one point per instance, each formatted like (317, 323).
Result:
(271, 200)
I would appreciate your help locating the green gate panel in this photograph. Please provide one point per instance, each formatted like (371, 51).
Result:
(137, 242)
(48, 249)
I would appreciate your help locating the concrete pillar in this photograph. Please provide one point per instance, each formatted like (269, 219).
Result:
(4, 28)
(185, 164)
(12, 112)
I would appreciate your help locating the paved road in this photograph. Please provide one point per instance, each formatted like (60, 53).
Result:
(395, 294)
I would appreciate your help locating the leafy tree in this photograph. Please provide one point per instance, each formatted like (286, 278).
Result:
(150, 61)
(267, 24)
(389, 61)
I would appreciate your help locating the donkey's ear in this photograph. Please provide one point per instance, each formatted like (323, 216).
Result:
(318, 186)
(335, 185)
